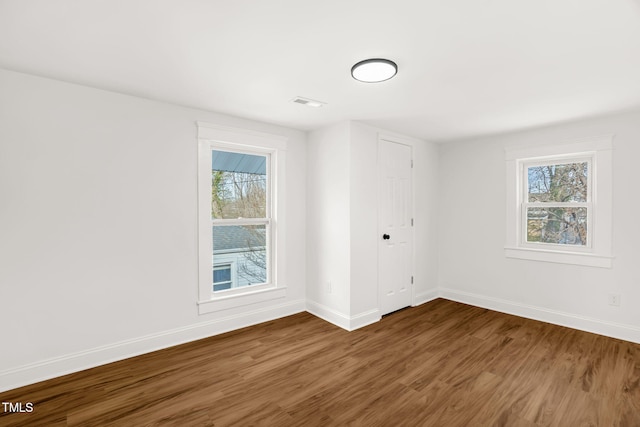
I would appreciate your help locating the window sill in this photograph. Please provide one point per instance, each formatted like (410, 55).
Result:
(561, 257)
(220, 303)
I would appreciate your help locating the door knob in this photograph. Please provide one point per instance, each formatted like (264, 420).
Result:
(386, 236)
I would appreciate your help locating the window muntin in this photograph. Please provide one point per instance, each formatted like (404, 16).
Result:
(556, 208)
(240, 215)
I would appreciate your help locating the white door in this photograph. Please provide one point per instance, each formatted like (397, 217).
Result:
(395, 247)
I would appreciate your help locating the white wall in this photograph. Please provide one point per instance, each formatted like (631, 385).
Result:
(363, 191)
(342, 206)
(98, 245)
(473, 267)
(328, 252)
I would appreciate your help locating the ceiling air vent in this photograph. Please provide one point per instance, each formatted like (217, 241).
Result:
(308, 102)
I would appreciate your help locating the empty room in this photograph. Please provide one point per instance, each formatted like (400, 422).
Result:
(294, 213)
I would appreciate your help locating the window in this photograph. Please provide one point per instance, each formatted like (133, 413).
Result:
(241, 215)
(559, 203)
(222, 277)
(240, 239)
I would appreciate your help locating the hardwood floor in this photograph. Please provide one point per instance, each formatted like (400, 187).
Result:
(439, 364)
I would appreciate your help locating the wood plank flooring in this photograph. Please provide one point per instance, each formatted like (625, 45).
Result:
(439, 364)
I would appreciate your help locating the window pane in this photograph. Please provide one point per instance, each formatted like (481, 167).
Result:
(221, 286)
(560, 226)
(558, 183)
(243, 246)
(222, 274)
(239, 185)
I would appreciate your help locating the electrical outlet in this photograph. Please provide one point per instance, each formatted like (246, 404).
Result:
(329, 289)
(614, 299)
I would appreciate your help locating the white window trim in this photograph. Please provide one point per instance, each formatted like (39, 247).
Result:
(598, 251)
(211, 137)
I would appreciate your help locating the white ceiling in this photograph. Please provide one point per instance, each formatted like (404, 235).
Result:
(466, 67)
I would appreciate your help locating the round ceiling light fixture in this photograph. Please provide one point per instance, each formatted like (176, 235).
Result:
(374, 70)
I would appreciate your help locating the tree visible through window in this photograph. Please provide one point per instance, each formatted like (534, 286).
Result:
(240, 216)
(557, 204)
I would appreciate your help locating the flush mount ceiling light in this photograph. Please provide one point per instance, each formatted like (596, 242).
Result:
(374, 70)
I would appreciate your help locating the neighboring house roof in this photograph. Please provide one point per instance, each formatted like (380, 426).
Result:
(229, 237)
(238, 162)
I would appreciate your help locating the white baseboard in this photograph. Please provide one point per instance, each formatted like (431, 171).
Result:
(425, 297)
(63, 365)
(363, 319)
(588, 324)
(342, 320)
(328, 314)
